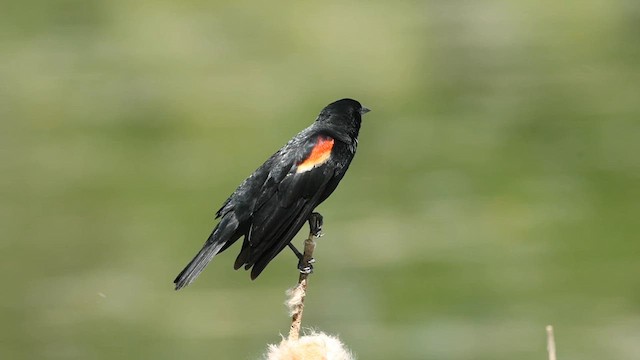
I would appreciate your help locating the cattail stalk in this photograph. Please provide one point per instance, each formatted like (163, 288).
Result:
(297, 295)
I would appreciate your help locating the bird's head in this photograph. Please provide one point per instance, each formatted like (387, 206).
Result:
(343, 112)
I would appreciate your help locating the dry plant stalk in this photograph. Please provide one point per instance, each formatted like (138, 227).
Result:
(297, 294)
(551, 343)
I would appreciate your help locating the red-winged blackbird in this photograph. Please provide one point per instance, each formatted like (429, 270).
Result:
(272, 205)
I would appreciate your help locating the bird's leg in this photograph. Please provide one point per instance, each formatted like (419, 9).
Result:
(301, 264)
(305, 263)
(315, 224)
(295, 251)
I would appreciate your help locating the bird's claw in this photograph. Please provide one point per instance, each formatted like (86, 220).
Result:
(306, 269)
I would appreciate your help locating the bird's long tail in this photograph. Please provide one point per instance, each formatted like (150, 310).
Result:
(217, 240)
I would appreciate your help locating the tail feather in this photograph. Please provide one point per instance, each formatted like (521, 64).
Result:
(197, 265)
(243, 257)
(220, 236)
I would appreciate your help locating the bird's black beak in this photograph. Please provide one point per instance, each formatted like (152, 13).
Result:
(364, 110)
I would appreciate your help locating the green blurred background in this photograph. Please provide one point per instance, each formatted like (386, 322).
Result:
(495, 191)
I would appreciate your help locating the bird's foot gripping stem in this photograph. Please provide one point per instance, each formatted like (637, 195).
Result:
(315, 224)
(308, 269)
(306, 260)
(305, 267)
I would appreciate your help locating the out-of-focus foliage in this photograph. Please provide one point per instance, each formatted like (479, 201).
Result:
(496, 188)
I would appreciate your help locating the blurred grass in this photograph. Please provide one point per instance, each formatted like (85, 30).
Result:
(495, 189)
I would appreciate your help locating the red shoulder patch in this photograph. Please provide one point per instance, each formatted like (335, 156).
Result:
(319, 154)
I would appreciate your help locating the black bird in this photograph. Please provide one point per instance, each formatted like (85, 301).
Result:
(273, 203)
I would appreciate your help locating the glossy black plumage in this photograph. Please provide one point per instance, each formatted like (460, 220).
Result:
(273, 203)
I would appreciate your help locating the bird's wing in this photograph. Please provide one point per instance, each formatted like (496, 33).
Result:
(290, 193)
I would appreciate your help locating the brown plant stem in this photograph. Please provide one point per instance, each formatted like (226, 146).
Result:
(298, 294)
